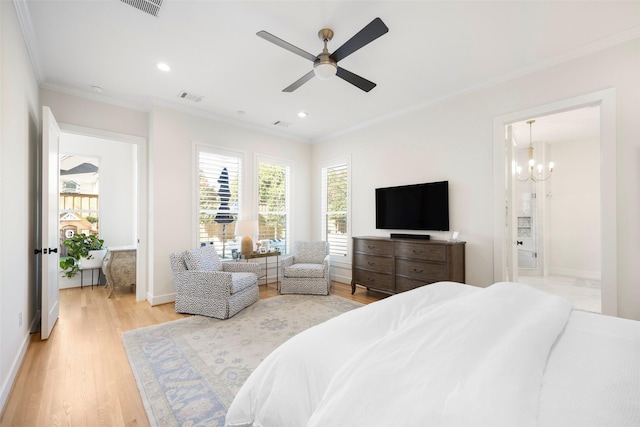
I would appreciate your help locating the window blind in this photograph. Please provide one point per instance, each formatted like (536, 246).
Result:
(334, 208)
(273, 204)
(219, 178)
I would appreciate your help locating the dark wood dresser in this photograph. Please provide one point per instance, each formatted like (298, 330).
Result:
(397, 265)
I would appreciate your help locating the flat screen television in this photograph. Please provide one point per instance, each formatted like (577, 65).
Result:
(413, 207)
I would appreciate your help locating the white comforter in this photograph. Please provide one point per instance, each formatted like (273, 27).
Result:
(445, 354)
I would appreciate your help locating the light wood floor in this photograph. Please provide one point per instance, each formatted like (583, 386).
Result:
(81, 376)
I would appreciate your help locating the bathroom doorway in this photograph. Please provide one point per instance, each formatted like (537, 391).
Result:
(558, 211)
(505, 218)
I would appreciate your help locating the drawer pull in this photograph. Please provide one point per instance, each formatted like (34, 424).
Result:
(371, 280)
(371, 246)
(417, 252)
(415, 270)
(371, 263)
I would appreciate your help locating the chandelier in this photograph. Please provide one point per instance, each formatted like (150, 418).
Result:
(539, 168)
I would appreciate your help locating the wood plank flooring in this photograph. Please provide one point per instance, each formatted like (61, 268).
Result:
(80, 376)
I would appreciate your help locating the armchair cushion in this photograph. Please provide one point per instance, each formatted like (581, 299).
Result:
(305, 270)
(242, 281)
(309, 252)
(203, 259)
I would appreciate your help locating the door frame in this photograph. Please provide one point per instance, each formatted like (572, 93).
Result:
(606, 99)
(142, 193)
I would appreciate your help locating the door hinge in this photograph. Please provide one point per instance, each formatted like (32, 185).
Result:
(533, 195)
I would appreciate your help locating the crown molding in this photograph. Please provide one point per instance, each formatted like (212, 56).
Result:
(24, 20)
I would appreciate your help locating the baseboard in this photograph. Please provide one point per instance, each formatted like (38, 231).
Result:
(13, 372)
(161, 299)
(341, 278)
(583, 274)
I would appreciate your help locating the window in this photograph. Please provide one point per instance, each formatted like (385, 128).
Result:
(273, 204)
(335, 202)
(79, 183)
(218, 199)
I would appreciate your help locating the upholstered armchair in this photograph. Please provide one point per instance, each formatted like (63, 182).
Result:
(306, 270)
(209, 287)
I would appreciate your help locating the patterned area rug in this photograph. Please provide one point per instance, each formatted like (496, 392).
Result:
(189, 370)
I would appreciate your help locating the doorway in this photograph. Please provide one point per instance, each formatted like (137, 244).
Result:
(122, 208)
(505, 219)
(557, 224)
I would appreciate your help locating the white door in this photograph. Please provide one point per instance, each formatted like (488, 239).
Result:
(511, 251)
(50, 221)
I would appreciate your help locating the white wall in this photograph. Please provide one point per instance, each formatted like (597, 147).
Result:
(91, 114)
(573, 210)
(172, 201)
(453, 140)
(19, 141)
(117, 188)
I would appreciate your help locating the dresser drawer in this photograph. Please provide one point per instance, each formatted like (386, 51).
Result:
(422, 252)
(372, 279)
(374, 247)
(372, 262)
(423, 271)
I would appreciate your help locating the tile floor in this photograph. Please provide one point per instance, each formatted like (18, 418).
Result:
(583, 293)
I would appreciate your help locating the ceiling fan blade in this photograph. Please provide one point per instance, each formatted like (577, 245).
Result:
(355, 79)
(302, 80)
(369, 33)
(286, 45)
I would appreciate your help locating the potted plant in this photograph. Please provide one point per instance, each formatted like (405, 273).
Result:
(82, 252)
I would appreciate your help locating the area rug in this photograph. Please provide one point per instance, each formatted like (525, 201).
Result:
(189, 370)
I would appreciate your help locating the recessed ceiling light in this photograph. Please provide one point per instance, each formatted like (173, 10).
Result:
(303, 114)
(162, 66)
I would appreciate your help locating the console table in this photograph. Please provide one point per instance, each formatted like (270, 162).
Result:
(119, 267)
(397, 265)
(266, 256)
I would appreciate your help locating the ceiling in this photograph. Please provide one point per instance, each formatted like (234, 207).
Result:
(434, 50)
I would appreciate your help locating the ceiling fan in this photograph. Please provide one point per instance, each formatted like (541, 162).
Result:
(325, 65)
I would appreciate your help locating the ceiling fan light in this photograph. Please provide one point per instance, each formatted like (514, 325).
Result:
(324, 70)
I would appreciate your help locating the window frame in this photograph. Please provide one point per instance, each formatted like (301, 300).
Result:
(217, 151)
(324, 166)
(288, 194)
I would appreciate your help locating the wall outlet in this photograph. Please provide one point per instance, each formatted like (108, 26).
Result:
(20, 319)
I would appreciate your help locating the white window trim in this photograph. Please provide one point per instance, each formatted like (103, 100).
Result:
(340, 261)
(195, 184)
(283, 162)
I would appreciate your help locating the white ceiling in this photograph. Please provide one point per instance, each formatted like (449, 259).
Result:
(434, 50)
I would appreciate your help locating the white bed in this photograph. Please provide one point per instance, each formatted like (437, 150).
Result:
(449, 354)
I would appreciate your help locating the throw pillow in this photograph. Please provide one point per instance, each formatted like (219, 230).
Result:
(203, 259)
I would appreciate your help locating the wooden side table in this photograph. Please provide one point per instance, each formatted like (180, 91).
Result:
(266, 257)
(119, 266)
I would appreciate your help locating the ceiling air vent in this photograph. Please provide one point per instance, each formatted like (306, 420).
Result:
(190, 96)
(281, 124)
(152, 7)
